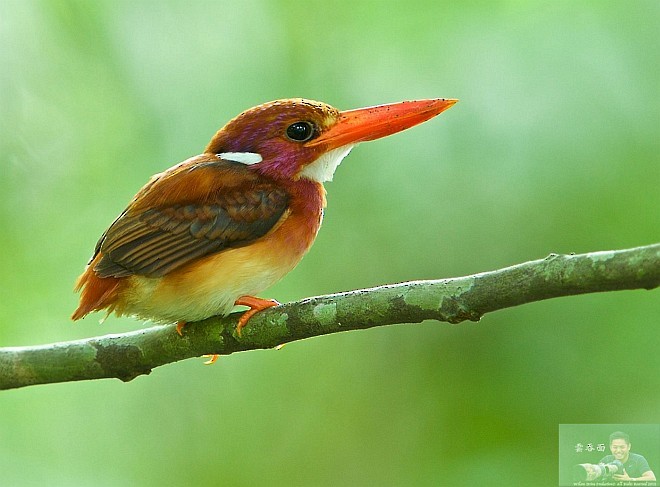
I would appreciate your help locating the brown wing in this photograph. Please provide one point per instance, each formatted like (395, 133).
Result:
(200, 207)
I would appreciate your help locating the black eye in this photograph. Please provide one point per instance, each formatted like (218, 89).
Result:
(300, 131)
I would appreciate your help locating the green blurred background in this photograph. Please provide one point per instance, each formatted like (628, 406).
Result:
(554, 147)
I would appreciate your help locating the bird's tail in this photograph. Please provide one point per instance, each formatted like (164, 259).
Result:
(96, 293)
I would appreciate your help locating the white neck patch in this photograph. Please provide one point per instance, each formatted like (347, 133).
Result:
(247, 158)
(323, 168)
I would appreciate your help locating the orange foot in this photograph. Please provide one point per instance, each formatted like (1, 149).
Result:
(179, 327)
(211, 358)
(255, 304)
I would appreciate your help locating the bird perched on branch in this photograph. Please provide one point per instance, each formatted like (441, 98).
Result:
(217, 229)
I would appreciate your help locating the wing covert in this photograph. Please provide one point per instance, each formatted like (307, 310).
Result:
(155, 241)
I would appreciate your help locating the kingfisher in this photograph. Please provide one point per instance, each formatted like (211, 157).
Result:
(215, 230)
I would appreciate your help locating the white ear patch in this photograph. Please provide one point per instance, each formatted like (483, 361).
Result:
(323, 168)
(246, 158)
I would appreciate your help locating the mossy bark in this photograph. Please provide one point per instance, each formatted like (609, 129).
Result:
(454, 300)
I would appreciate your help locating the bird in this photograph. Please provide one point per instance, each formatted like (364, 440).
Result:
(217, 229)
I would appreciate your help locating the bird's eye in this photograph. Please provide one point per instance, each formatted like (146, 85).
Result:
(300, 131)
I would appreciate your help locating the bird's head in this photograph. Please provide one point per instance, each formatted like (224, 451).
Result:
(297, 138)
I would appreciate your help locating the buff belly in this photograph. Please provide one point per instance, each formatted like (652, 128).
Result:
(208, 288)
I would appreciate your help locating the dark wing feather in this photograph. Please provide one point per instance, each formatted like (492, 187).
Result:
(154, 241)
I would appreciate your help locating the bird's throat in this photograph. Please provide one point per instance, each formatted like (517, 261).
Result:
(323, 168)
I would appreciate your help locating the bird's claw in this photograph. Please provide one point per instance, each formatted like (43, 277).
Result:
(179, 327)
(212, 358)
(255, 304)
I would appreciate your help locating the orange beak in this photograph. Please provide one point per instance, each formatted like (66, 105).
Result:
(373, 123)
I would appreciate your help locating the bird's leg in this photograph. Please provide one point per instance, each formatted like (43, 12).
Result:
(179, 327)
(211, 358)
(255, 304)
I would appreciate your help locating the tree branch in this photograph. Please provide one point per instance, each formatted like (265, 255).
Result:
(126, 356)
